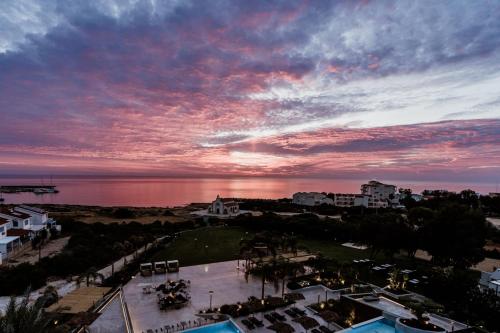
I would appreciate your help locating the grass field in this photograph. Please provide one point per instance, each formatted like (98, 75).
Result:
(203, 246)
(208, 245)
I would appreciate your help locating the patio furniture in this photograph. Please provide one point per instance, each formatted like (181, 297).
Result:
(291, 313)
(280, 327)
(298, 311)
(248, 324)
(278, 316)
(270, 318)
(256, 322)
(325, 329)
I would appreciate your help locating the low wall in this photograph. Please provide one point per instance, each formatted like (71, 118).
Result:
(402, 328)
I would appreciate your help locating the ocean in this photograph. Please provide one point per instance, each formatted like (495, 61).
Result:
(163, 192)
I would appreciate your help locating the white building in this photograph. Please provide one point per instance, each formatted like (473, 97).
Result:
(491, 280)
(311, 199)
(18, 220)
(357, 200)
(350, 200)
(378, 190)
(39, 217)
(7, 243)
(224, 206)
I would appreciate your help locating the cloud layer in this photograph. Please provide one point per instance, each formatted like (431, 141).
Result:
(302, 88)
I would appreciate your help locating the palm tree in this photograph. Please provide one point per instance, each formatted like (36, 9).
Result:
(285, 269)
(22, 317)
(269, 271)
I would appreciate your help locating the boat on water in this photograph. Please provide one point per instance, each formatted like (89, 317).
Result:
(45, 190)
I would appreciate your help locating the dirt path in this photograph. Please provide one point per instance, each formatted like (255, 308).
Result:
(51, 248)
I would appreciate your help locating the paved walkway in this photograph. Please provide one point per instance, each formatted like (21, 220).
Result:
(223, 278)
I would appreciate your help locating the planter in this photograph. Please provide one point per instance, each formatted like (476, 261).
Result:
(410, 326)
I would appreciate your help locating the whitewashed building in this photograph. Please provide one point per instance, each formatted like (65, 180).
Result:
(39, 217)
(358, 200)
(8, 243)
(224, 206)
(311, 199)
(350, 200)
(18, 220)
(378, 190)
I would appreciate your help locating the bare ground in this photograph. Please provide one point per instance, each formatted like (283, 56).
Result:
(48, 250)
(94, 214)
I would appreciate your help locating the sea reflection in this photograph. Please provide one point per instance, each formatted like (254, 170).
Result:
(144, 192)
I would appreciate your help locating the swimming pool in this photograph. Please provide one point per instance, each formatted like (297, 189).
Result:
(381, 325)
(224, 327)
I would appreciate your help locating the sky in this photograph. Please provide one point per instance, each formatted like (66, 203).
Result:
(334, 89)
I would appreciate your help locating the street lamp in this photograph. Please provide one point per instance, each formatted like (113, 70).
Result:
(211, 292)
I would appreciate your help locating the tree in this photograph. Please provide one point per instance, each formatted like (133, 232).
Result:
(269, 271)
(50, 296)
(285, 269)
(455, 236)
(93, 273)
(22, 317)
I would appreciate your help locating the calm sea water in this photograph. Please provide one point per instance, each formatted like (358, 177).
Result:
(146, 192)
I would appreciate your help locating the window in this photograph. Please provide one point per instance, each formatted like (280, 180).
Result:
(26, 222)
(15, 223)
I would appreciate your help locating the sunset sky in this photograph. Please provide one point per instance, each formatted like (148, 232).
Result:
(339, 89)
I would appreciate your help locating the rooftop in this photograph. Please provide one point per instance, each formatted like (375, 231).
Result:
(10, 212)
(8, 239)
(33, 209)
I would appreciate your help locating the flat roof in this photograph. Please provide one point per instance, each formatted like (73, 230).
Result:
(32, 209)
(79, 300)
(8, 239)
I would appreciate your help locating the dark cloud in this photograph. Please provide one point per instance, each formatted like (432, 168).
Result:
(149, 79)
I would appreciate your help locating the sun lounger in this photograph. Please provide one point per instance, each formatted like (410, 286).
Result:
(325, 329)
(314, 330)
(278, 316)
(291, 313)
(271, 319)
(256, 321)
(248, 324)
(298, 311)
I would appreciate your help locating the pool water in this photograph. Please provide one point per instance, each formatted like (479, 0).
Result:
(379, 326)
(224, 327)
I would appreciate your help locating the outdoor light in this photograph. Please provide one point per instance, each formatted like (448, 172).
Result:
(211, 292)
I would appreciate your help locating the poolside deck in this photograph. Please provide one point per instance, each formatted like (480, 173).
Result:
(223, 278)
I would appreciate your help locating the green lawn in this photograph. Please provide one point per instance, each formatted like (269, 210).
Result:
(214, 244)
(334, 250)
(203, 246)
